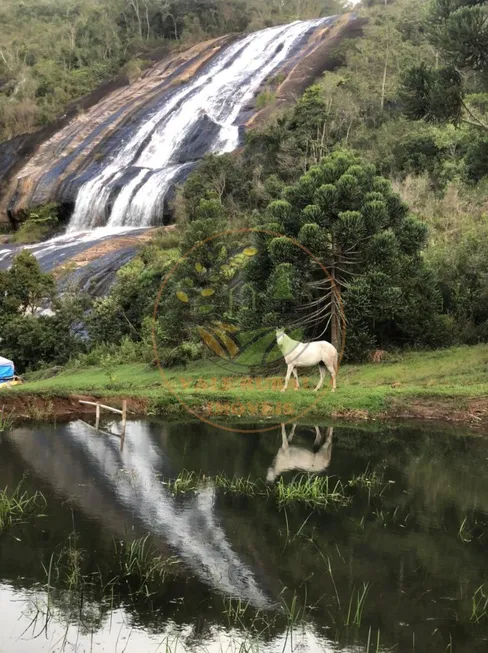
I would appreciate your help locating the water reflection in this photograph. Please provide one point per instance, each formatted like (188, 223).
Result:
(401, 540)
(293, 458)
(108, 483)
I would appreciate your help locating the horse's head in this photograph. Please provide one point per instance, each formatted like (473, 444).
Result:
(280, 332)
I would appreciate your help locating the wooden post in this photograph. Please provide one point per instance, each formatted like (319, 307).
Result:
(122, 430)
(124, 417)
(97, 420)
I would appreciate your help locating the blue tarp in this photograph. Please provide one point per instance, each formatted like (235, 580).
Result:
(6, 369)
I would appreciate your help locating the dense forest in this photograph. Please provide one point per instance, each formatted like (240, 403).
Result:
(380, 171)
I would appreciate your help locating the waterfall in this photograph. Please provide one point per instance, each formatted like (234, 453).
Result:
(192, 527)
(154, 155)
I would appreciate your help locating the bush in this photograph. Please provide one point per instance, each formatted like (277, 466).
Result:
(37, 225)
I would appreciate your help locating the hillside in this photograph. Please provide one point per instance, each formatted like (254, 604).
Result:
(53, 53)
(377, 174)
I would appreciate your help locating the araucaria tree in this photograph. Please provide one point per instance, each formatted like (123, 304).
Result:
(349, 218)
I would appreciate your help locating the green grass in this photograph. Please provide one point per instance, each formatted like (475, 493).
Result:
(312, 491)
(437, 381)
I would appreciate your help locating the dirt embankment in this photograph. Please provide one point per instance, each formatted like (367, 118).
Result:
(471, 413)
(37, 407)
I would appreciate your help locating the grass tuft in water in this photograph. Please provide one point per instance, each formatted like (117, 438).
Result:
(185, 482)
(18, 505)
(313, 491)
(236, 485)
(140, 564)
(373, 481)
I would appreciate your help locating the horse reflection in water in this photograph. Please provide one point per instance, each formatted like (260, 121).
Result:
(104, 481)
(292, 458)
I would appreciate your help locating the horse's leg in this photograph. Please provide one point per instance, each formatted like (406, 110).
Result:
(330, 433)
(292, 432)
(284, 439)
(332, 371)
(318, 437)
(322, 377)
(327, 447)
(287, 378)
(295, 374)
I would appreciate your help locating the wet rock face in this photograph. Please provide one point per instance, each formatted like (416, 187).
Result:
(117, 162)
(195, 144)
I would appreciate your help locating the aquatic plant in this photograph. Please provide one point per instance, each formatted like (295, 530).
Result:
(18, 505)
(139, 561)
(313, 491)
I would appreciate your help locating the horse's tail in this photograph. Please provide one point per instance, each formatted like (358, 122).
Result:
(336, 361)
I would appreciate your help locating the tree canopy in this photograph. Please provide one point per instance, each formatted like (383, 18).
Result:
(54, 52)
(458, 29)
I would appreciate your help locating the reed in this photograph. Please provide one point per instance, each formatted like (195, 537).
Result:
(356, 606)
(479, 603)
(75, 557)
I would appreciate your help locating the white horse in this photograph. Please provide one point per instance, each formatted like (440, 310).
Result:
(307, 354)
(298, 458)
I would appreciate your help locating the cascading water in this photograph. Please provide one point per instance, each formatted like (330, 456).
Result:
(151, 158)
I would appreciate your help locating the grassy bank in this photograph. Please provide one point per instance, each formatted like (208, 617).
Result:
(450, 384)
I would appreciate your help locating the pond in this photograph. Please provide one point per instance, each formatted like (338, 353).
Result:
(190, 538)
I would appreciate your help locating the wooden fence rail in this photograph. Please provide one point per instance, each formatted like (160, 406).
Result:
(98, 406)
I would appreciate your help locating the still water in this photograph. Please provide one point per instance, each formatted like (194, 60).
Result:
(402, 567)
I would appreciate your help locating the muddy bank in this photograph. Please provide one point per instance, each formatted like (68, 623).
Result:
(38, 407)
(472, 413)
